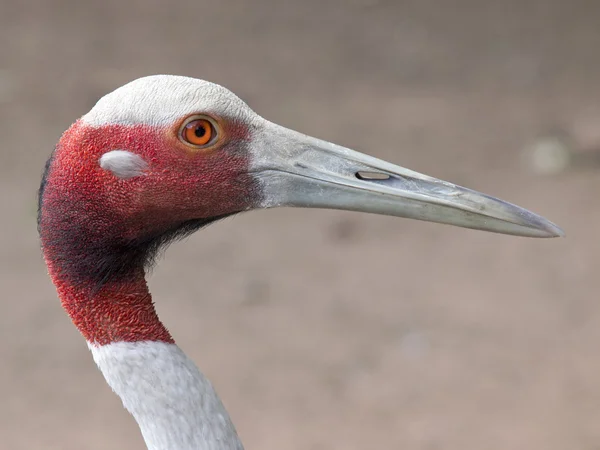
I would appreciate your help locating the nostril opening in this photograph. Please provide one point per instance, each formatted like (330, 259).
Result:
(372, 176)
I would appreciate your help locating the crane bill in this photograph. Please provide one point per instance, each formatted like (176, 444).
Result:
(301, 171)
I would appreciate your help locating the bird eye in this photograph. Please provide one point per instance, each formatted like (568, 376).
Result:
(198, 132)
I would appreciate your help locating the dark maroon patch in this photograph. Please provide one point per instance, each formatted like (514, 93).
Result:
(98, 232)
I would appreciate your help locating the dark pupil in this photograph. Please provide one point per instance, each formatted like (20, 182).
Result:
(200, 130)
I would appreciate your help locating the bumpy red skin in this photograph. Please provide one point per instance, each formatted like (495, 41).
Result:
(85, 207)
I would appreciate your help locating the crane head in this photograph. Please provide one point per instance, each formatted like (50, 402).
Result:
(163, 155)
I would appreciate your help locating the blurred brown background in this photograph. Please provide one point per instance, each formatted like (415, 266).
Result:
(323, 329)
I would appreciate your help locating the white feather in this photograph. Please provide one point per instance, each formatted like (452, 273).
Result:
(175, 405)
(161, 100)
(123, 164)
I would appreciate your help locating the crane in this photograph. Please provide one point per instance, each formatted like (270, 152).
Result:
(164, 156)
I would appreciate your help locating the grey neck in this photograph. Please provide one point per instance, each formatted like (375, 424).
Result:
(175, 406)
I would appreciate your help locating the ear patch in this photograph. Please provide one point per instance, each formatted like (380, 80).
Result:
(123, 164)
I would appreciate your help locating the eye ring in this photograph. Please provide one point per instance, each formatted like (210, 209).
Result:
(198, 131)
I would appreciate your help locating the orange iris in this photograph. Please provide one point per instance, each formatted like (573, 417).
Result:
(198, 132)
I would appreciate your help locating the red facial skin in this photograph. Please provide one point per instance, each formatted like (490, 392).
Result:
(87, 215)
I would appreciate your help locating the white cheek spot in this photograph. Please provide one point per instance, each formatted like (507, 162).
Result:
(123, 164)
